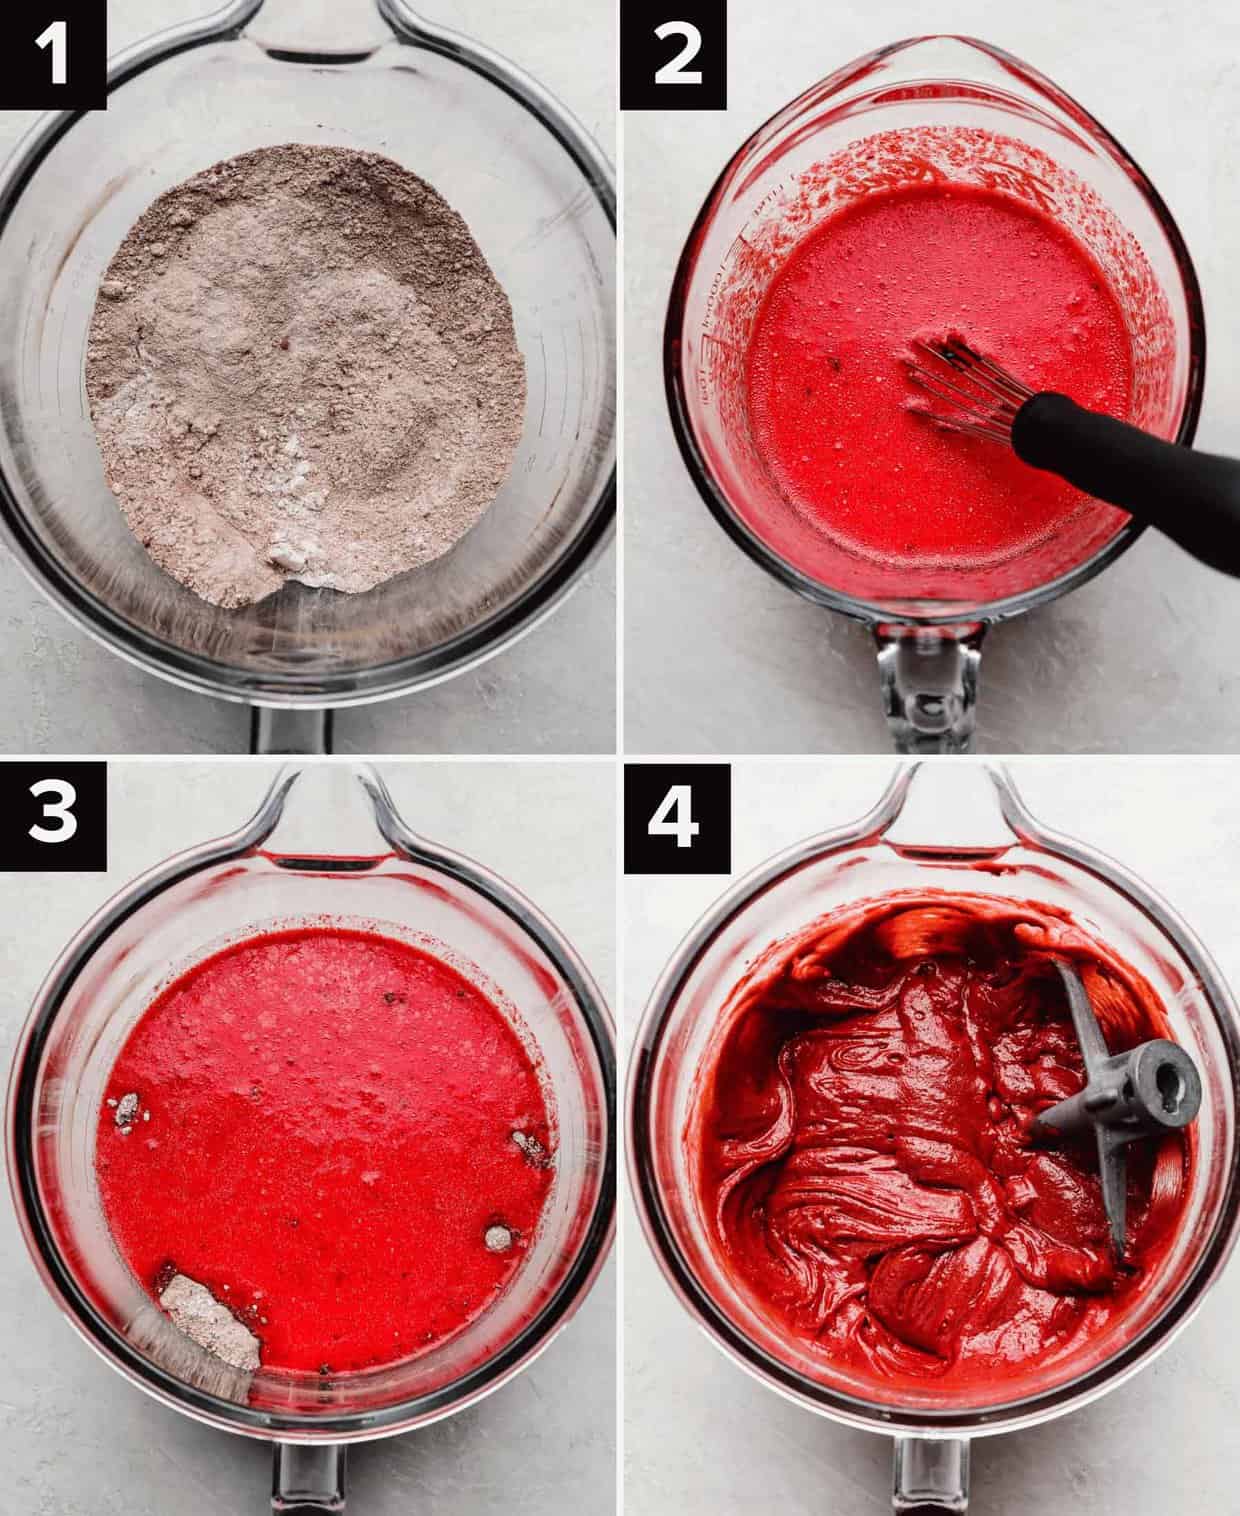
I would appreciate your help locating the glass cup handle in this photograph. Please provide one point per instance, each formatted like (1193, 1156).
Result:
(930, 1476)
(953, 808)
(928, 679)
(307, 1479)
(318, 31)
(291, 731)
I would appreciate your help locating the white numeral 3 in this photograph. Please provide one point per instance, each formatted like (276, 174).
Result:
(55, 810)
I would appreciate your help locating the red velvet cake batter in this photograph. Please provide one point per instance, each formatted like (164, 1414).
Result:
(337, 1135)
(828, 394)
(862, 1151)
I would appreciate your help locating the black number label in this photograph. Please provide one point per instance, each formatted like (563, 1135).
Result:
(58, 817)
(55, 56)
(677, 818)
(673, 55)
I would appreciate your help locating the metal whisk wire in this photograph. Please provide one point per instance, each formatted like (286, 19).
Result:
(982, 398)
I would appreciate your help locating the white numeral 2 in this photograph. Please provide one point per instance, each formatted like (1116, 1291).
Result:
(674, 72)
(55, 810)
(673, 817)
(57, 38)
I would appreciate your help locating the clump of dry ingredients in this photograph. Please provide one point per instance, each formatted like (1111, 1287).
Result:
(127, 1110)
(498, 1238)
(300, 366)
(209, 1323)
(533, 1150)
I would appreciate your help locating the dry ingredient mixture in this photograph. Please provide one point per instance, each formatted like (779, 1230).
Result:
(211, 1324)
(863, 1144)
(301, 367)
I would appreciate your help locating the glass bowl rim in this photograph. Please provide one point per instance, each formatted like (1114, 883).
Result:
(873, 612)
(731, 1339)
(464, 650)
(592, 1247)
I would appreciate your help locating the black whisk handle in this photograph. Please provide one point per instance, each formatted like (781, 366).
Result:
(1194, 498)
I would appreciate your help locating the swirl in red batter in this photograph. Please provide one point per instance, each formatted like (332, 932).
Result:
(861, 1145)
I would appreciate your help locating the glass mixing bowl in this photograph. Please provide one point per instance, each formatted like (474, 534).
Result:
(768, 196)
(325, 844)
(538, 196)
(949, 828)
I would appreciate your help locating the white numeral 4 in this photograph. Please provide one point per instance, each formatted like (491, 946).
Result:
(673, 818)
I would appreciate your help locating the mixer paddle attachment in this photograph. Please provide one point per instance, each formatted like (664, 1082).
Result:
(1194, 498)
(1151, 1089)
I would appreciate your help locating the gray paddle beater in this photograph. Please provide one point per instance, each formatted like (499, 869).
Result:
(1151, 1089)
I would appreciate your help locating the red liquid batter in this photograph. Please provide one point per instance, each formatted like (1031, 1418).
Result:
(323, 1137)
(828, 392)
(863, 1155)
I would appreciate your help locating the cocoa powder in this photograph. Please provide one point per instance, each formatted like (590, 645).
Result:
(210, 1323)
(300, 366)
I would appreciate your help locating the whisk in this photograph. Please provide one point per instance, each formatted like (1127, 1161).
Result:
(1194, 498)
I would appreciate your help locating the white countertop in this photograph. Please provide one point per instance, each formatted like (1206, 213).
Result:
(722, 658)
(554, 692)
(75, 1438)
(703, 1437)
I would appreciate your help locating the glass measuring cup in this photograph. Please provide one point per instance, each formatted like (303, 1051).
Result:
(954, 829)
(326, 844)
(538, 196)
(929, 644)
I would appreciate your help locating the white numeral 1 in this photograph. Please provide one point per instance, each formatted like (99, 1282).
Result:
(673, 816)
(57, 38)
(674, 72)
(55, 810)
